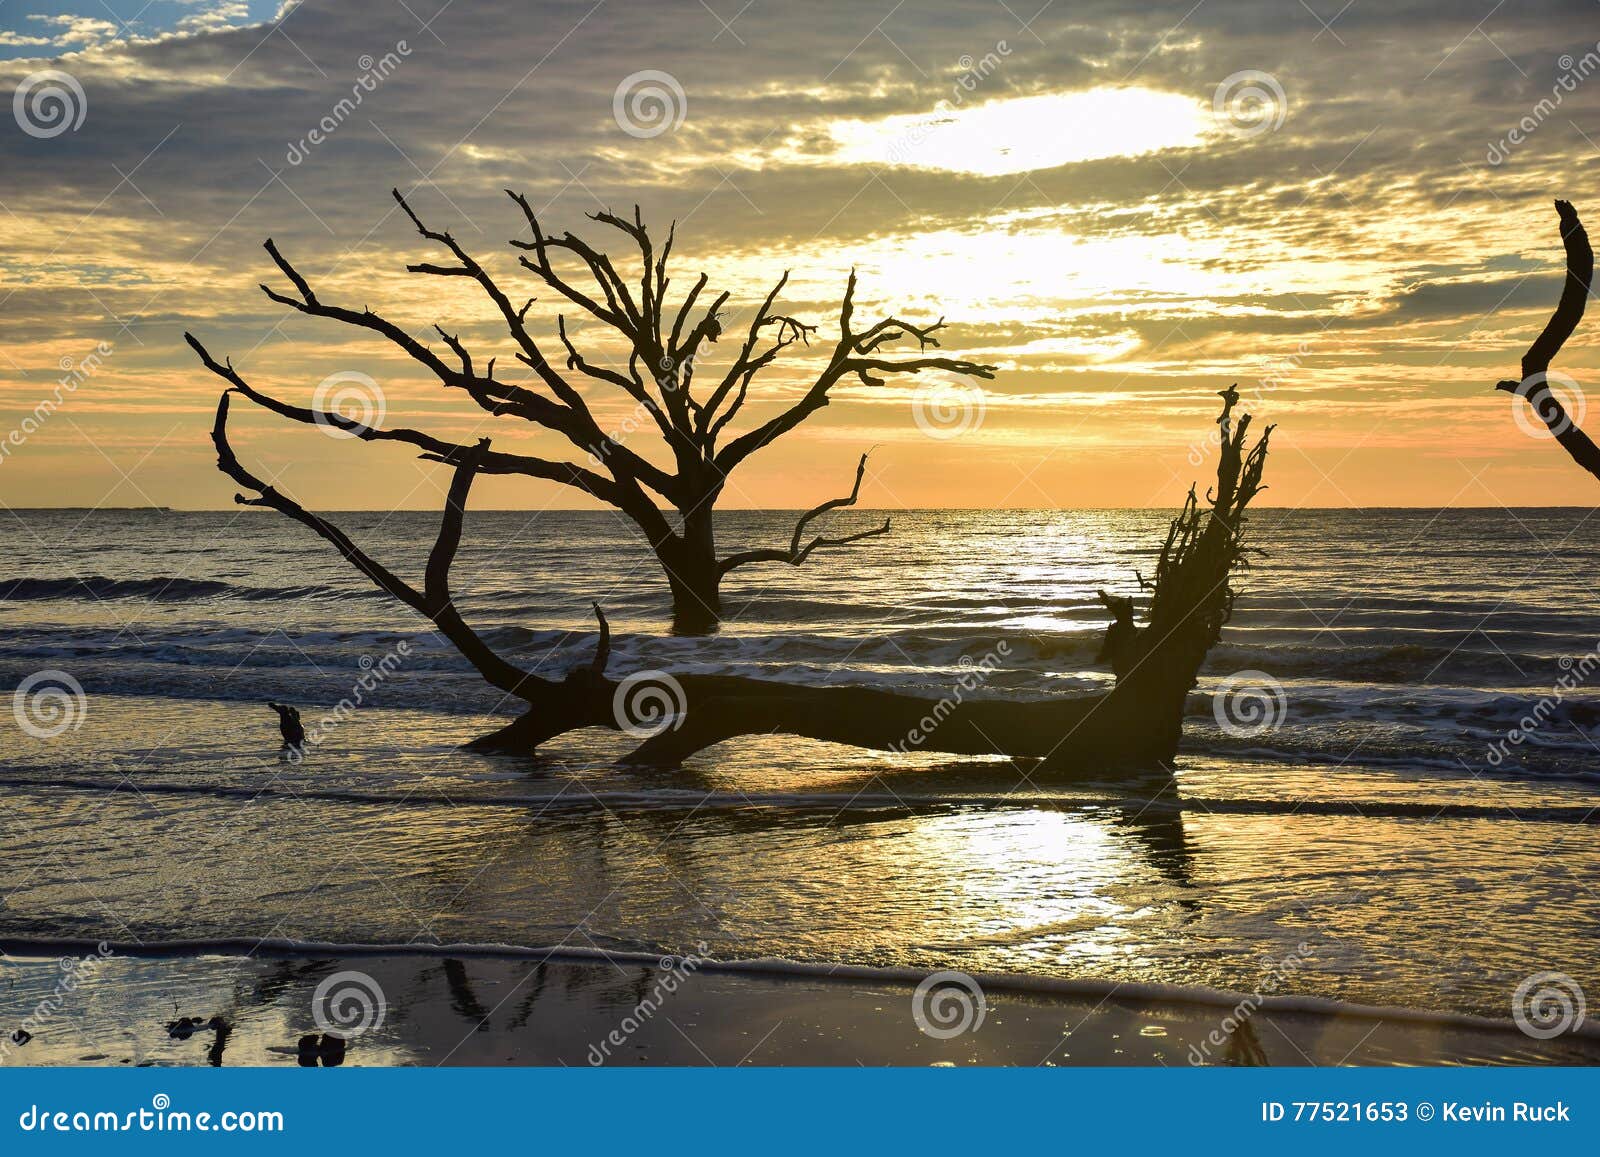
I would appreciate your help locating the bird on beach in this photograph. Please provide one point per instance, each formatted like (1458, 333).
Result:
(294, 735)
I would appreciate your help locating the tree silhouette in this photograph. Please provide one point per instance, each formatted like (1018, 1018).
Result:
(1534, 384)
(1138, 722)
(666, 346)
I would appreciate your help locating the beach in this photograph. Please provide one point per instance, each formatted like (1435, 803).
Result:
(491, 1006)
(1369, 848)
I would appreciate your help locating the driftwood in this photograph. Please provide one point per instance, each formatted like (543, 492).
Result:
(1534, 384)
(290, 727)
(667, 349)
(1137, 722)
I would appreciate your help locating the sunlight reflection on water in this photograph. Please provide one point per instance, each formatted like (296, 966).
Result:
(774, 847)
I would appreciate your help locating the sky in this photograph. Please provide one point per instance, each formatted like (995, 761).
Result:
(1125, 208)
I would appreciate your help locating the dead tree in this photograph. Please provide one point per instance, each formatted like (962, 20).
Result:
(667, 351)
(1534, 384)
(1138, 722)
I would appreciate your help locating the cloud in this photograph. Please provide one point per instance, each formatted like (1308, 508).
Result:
(66, 31)
(216, 16)
(1086, 257)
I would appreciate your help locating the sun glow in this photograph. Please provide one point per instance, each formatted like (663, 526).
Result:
(1026, 133)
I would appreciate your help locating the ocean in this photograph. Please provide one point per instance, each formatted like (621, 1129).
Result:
(1404, 816)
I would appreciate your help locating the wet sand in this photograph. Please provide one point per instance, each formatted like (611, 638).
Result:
(476, 1007)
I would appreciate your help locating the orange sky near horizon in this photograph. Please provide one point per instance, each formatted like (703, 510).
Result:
(1124, 212)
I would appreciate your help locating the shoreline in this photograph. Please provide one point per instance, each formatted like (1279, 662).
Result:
(1189, 1002)
(1579, 815)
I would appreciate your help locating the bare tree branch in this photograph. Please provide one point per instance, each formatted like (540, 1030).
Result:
(617, 311)
(434, 600)
(748, 363)
(434, 449)
(576, 422)
(665, 348)
(1192, 594)
(797, 554)
(1562, 323)
(602, 648)
(854, 354)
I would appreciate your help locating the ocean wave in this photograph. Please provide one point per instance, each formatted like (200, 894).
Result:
(164, 589)
(1393, 657)
(925, 657)
(673, 800)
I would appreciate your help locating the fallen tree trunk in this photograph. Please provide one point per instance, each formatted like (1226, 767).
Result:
(1137, 723)
(1109, 730)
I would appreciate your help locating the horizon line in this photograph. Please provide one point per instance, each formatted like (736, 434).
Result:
(769, 509)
